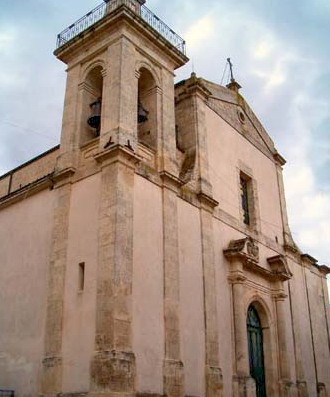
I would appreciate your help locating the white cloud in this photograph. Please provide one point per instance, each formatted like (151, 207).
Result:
(200, 31)
(7, 39)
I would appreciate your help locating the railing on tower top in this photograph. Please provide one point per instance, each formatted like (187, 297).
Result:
(100, 11)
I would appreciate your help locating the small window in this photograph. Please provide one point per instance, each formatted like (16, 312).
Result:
(81, 280)
(245, 184)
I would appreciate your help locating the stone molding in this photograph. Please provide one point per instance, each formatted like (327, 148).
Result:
(280, 160)
(171, 182)
(63, 174)
(246, 251)
(26, 191)
(207, 202)
(118, 153)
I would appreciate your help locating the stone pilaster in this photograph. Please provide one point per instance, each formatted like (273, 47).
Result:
(287, 387)
(173, 366)
(244, 385)
(168, 161)
(287, 236)
(199, 96)
(119, 103)
(113, 365)
(51, 382)
(213, 373)
(70, 130)
(301, 384)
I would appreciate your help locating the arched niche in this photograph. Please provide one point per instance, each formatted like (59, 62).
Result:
(91, 110)
(147, 109)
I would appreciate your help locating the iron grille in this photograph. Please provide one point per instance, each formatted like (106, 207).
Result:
(99, 12)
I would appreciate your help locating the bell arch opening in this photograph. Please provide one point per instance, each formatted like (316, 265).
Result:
(147, 109)
(92, 89)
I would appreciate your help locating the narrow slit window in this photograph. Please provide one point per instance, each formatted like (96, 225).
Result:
(245, 200)
(81, 276)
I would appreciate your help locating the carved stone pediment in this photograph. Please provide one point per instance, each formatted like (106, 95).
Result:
(279, 267)
(245, 250)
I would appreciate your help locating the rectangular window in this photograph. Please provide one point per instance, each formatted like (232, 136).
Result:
(245, 188)
(81, 280)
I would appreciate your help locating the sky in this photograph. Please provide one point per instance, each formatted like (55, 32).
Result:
(281, 55)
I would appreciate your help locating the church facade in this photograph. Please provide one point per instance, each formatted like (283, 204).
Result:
(149, 254)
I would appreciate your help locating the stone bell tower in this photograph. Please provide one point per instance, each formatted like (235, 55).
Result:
(118, 119)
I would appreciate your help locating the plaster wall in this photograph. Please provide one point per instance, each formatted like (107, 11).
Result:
(25, 235)
(148, 286)
(79, 310)
(222, 236)
(230, 152)
(191, 299)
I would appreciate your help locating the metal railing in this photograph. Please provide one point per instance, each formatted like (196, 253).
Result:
(100, 11)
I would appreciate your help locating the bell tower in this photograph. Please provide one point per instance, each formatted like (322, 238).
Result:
(121, 60)
(118, 119)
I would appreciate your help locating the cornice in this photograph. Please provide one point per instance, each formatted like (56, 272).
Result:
(118, 153)
(171, 181)
(27, 191)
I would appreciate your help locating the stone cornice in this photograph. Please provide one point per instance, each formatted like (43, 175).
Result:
(279, 267)
(324, 269)
(27, 191)
(171, 181)
(118, 153)
(308, 260)
(279, 159)
(207, 202)
(194, 86)
(246, 252)
(63, 174)
(120, 15)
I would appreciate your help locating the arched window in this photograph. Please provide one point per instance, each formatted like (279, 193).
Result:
(91, 105)
(256, 350)
(147, 109)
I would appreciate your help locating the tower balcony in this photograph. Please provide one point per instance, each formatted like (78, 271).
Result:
(108, 6)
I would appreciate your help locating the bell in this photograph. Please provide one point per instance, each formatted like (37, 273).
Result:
(94, 120)
(142, 113)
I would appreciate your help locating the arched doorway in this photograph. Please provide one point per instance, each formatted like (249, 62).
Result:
(256, 350)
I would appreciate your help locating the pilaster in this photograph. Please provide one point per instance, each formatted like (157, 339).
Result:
(213, 373)
(244, 385)
(113, 365)
(70, 137)
(168, 162)
(120, 90)
(287, 236)
(287, 386)
(52, 364)
(173, 366)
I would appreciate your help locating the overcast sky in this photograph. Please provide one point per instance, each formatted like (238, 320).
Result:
(281, 55)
